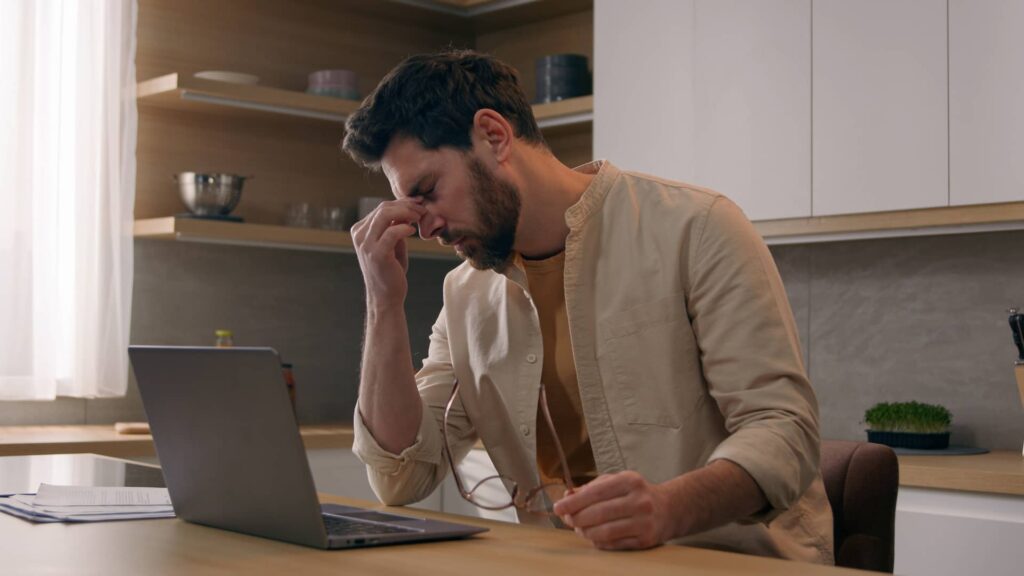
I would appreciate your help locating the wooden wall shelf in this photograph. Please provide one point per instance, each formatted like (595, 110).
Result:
(104, 439)
(899, 223)
(490, 15)
(994, 473)
(925, 222)
(187, 93)
(571, 112)
(268, 236)
(179, 92)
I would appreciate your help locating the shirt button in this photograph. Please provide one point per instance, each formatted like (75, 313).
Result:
(525, 430)
(531, 358)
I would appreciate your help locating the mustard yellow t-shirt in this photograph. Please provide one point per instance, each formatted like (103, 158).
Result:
(558, 375)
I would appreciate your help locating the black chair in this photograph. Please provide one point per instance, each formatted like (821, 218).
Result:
(861, 480)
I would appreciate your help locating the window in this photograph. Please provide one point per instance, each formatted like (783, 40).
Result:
(67, 187)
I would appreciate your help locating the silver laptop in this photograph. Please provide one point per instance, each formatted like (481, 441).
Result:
(232, 456)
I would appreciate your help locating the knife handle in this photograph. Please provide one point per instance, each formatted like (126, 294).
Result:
(1019, 371)
(1017, 327)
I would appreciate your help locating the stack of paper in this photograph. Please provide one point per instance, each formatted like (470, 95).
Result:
(89, 504)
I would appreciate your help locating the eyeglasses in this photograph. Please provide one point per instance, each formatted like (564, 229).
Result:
(499, 492)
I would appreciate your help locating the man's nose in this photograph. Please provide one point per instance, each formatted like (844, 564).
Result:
(430, 225)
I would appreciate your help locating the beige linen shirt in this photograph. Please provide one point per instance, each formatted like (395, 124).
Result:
(686, 352)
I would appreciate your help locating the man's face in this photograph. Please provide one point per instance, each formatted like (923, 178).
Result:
(467, 205)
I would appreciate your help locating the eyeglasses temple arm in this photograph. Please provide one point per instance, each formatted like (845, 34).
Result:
(447, 449)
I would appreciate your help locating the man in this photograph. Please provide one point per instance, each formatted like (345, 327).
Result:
(651, 311)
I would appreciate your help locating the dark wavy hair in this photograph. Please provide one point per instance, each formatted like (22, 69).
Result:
(433, 98)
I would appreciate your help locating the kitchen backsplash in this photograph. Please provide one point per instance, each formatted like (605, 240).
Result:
(920, 318)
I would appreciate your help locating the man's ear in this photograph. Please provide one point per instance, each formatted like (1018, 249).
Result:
(493, 131)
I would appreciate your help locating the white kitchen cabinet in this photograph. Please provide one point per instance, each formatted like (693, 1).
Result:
(643, 86)
(879, 119)
(713, 92)
(942, 532)
(752, 104)
(986, 101)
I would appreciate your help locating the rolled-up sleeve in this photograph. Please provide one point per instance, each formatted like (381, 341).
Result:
(412, 475)
(750, 353)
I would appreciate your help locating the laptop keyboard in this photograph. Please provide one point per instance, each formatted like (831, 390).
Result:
(341, 526)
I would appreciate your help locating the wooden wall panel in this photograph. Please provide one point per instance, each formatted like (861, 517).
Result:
(293, 160)
(573, 147)
(283, 41)
(520, 46)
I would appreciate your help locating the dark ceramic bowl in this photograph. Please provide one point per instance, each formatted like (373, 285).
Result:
(561, 76)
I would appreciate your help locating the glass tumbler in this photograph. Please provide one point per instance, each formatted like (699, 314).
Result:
(300, 214)
(332, 218)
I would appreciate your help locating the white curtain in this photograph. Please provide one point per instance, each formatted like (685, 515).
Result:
(67, 188)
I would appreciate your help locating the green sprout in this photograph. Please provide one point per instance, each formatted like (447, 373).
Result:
(908, 417)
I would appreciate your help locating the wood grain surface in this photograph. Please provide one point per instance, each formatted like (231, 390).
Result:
(104, 439)
(171, 546)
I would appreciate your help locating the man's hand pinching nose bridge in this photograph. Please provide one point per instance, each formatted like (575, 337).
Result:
(416, 203)
(414, 223)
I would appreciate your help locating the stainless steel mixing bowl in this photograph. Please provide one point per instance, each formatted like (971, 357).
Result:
(210, 194)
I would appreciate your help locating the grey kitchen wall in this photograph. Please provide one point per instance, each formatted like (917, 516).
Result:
(920, 318)
(308, 305)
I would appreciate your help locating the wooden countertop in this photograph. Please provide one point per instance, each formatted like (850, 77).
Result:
(992, 473)
(172, 546)
(102, 439)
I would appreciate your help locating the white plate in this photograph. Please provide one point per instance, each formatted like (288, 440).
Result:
(223, 76)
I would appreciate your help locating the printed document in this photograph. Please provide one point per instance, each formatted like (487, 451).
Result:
(54, 503)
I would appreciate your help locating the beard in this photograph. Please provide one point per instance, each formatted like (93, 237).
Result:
(497, 206)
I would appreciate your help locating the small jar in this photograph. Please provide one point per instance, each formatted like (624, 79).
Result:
(225, 338)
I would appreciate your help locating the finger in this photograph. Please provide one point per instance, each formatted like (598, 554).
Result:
(393, 236)
(600, 489)
(414, 204)
(388, 213)
(361, 228)
(372, 234)
(405, 204)
(608, 511)
(624, 534)
(398, 210)
(611, 531)
(358, 230)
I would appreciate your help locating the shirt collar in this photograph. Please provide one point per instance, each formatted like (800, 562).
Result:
(604, 175)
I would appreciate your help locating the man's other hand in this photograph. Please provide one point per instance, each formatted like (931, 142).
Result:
(621, 511)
